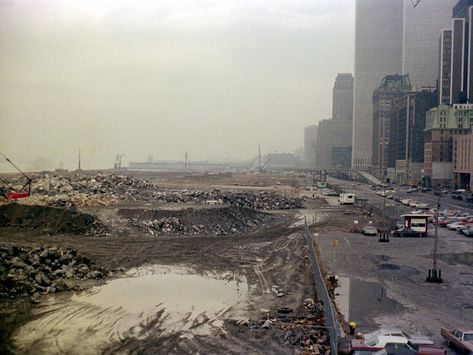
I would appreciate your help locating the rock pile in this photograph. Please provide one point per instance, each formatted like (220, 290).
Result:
(42, 270)
(214, 221)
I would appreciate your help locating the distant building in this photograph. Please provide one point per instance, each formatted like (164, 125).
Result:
(334, 136)
(310, 142)
(390, 88)
(280, 161)
(463, 161)
(406, 144)
(442, 124)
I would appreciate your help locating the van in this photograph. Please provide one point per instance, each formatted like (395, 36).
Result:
(346, 199)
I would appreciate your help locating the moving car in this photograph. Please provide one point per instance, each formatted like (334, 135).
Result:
(460, 339)
(369, 230)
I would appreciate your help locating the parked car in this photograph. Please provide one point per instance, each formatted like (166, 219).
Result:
(369, 230)
(406, 232)
(468, 231)
(460, 339)
(412, 189)
(426, 189)
(455, 225)
(388, 340)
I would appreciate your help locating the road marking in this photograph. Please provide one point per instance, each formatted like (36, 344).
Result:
(346, 240)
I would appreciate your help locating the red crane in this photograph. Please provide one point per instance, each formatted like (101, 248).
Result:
(25, 191)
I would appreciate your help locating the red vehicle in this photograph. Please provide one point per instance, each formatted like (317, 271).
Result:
(460, 339)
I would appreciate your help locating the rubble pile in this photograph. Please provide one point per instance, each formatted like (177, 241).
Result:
(42, 270)
(50, 220)
(306, 332)
(106, 189)
(213, 221)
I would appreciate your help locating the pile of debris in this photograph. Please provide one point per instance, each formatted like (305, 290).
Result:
(51, 220)
(204, 221)
(106, 189)
(306, 332)
(42, 270)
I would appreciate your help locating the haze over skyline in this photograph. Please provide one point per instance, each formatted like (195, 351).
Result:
(213, 78)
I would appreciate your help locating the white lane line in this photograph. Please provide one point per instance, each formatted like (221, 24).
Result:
(346, 240)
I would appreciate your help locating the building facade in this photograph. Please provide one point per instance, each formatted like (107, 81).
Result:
(310, 142)
(445, 67)
(463, 161)
(378, 52)
(422, 26)
(442, 124)
(406, 145)
(390, 88)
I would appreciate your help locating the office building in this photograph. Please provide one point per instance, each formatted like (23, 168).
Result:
(378, 52)
(463, 161)
(310, 139)
(445, 67)
(406, 145)
(442, 124)
(390, 88)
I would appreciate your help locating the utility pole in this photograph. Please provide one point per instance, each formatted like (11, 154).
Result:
(185, 161)
(435, 275)
(259, 159)
(79, 161)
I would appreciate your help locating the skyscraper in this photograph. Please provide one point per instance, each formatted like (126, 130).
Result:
(422, 27)
(310, 137)
(378, 52)
(392, 37)
(445, 67)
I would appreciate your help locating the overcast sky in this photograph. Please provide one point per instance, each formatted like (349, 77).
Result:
(162, 77)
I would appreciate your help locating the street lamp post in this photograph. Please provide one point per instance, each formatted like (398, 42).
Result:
(435, 274)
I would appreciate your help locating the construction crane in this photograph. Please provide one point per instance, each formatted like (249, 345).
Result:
(415, 2)
(15, 195)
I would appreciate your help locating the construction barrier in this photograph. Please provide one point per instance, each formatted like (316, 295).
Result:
(331, 321)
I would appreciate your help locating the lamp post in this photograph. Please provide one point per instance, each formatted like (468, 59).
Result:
(435, 274)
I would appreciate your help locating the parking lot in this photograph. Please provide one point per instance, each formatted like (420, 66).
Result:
(387, 286)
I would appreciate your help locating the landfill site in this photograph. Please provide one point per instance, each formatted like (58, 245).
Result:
(101, 262)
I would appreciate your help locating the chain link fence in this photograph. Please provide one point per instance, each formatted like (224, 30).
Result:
(331, 321)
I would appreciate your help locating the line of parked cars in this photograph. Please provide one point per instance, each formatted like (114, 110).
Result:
(456, 221)
(393, 341)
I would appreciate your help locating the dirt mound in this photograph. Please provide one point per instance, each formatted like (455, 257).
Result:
(50, 220)
(208, 221)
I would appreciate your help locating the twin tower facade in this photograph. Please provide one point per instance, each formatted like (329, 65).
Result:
(395, 37)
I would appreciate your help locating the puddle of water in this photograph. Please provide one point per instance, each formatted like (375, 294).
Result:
(458, 258)
(149, 300)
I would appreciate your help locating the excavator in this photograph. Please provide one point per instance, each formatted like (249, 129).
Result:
(9, 193)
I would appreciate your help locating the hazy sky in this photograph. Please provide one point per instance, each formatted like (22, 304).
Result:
(162, 77)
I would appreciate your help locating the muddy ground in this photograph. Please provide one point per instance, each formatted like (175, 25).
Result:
(271, 253)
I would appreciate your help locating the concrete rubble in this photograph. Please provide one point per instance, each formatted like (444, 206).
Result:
(106, 189)
(42, 270)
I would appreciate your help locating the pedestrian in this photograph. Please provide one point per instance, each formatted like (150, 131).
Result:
(352, 326)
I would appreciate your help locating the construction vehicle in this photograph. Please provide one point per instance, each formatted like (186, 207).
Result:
(10, 194)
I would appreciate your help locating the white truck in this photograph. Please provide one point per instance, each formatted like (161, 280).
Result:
(346, 199)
